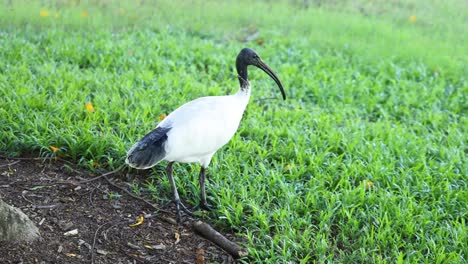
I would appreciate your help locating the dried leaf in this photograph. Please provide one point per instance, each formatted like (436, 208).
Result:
(70, 255)
(161, 117)
(54, 149)
(89, 107)
(160, 246)
(200, 256)
(139, 222)
(102, 252)
(412, 18)
(132, 245)
(73, 232)
(148, 246)
(177, 237)
(37, 187)
(259, 41)
(44, 13)
(368, 184)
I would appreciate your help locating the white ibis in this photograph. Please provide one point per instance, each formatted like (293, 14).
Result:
(197, 129)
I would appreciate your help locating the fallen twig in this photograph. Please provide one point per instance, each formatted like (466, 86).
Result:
(92, 179)
(169, 220)
(45, 206)
(23, 194)
(10, 164)
(36, 158)
(94, 241)
(114, 223)
(214, 236)
(91, 194)
(76, 183)
(135, 196)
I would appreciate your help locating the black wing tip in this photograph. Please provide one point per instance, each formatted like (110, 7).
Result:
(145, 157)
(136, 164)
(149, 150)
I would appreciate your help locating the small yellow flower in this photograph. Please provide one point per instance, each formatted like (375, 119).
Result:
(84, 14)
(287, 167)
(89, 107)
(54, 149)
(44, 13)
(56, 14)
(161, 117)
(412, 18)
(368, 184)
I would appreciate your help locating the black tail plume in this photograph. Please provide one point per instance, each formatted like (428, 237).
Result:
(149, 150)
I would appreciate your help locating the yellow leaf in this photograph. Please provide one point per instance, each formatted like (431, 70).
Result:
(84, 14)
(200, 256)
(89, 107)
(368, 184)
(412, 18)
(71, 255)
(139, 222)
(54, 149)
(287, 167)
(44, 13)
(177, 237)
(161, 117)
(148, 246)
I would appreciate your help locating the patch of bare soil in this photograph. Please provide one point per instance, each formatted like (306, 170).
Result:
(104, 234)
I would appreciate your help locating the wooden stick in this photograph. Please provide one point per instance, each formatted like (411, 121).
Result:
(214, 236)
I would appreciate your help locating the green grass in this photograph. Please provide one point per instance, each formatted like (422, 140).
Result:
(371, 97)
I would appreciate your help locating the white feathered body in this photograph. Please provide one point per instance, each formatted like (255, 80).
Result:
(199, 128)
(202, 126)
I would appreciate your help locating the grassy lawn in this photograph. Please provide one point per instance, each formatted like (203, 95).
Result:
(365, 162)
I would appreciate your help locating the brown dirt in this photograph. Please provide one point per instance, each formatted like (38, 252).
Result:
(58, 208)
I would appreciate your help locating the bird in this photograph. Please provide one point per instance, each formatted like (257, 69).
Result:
(196, 130)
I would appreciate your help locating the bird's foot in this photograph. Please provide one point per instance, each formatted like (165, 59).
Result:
(179, 207)
(204, 206)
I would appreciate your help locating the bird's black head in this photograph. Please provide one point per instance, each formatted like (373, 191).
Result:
(250, 57)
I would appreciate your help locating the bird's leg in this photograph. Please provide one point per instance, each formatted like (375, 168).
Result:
(201, 179)
(175, 197)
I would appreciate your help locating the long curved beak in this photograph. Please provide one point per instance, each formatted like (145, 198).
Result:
(273, 75)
